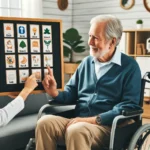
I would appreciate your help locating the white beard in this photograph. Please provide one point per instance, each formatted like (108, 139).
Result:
(98, 54)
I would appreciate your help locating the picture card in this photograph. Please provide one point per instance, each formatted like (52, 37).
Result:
(35, 45)
(47, 46)
(11, 77)
(21, 30)
(22, 46)
(23, 75)
(9, 45)
(47, 31)
(48, 60)
(35, 60)
(38, 74)
(8, 29)
(23, 61)
(10, 61)
(34, 31)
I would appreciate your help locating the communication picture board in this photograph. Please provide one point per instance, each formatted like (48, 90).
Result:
(29, 45)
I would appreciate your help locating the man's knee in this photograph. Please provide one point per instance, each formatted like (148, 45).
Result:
(77, 130)
(45, 121)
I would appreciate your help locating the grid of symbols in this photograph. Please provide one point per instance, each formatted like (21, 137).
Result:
(22, 52)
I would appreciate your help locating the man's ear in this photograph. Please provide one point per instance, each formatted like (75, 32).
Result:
(113, 42)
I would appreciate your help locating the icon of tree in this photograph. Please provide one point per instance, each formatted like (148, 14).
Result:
(22, 44)
(46, 31)
(47, 43)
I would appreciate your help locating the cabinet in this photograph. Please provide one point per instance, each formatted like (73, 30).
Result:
(70, 68)
(136, 47)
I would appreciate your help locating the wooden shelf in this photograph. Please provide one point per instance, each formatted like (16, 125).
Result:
(135, 47)
(70, 68)
(137, 30)
(146, 108)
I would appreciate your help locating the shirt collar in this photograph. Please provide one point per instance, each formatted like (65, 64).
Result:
(115, 59)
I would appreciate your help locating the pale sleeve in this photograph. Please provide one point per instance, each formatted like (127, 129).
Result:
(10, 110)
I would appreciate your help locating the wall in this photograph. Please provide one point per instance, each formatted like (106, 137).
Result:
(51, 10)
(10, 8)
(32, 8)
(84, 10)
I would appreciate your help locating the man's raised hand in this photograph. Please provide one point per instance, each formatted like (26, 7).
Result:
(49, 83)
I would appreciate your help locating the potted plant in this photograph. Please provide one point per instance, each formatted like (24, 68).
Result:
(72, 41)
(72, 44)
(139, 24)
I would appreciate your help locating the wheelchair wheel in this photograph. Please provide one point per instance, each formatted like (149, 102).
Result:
(141, 139)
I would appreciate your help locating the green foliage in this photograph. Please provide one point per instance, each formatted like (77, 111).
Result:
(46, 31)
(72, 41)
(22, 44)
(139, 21)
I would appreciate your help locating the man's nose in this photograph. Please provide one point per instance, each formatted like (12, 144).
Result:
(91, 42)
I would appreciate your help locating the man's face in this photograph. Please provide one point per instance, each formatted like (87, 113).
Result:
(99, 46)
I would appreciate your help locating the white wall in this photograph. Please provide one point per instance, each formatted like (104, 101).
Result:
(84, 10)
(32, 8)
(51, 10)
(10, 8)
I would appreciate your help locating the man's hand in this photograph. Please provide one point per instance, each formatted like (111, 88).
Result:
(29, 86)
(91, 120)
(49, 83)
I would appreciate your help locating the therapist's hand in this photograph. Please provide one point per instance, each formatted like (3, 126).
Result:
(29, 86)
(49, 83)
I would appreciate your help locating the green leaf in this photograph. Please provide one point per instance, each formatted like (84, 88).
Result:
(67, 42)
(72, 39)
(46, 31)
(67, 51)
(47, 42)
(79, 49)
(71, 35)
(76, 43)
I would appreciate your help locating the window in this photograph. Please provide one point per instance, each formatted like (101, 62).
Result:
(10, 8)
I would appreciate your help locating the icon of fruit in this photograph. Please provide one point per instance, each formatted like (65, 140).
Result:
(24, 60)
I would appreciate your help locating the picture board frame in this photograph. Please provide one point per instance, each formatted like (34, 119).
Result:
(29, 45)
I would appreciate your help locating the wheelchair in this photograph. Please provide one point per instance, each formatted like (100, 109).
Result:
(131, 136)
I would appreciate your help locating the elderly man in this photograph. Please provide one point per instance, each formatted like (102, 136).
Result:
(105, 83)
(14, 107)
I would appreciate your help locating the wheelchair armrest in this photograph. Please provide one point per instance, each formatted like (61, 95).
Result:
(52, 104)
(42, 110)
(125, 114)
(132, 112)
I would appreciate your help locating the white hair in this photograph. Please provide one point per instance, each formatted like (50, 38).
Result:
(113, 26)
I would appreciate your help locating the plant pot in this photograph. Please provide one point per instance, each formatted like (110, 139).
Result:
(66, 59)
(139, 26)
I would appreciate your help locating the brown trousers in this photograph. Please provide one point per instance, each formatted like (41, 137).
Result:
(51, 130)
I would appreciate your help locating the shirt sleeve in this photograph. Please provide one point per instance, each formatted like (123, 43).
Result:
(10, 110)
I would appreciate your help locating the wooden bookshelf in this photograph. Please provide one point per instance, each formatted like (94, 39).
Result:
(136, 48)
